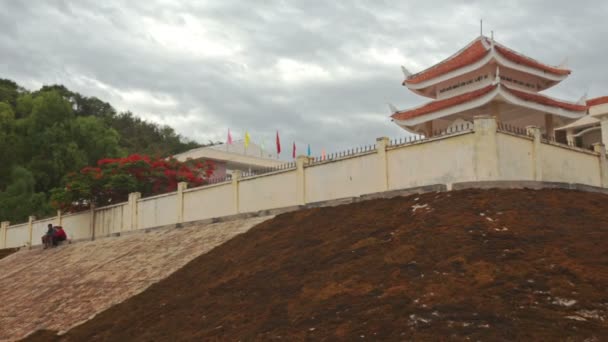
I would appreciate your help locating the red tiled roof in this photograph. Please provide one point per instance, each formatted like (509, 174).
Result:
(469, 55)
(547, 101)
(475, 52)
(442, 104)
(597, 101)
(521, 59)
(434, 106)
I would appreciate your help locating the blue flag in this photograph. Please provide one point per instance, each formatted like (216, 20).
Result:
(308, 151)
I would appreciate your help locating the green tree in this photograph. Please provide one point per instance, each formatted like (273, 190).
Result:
(20, 200)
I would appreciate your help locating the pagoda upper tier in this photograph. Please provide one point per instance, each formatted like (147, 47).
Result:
(478, 60)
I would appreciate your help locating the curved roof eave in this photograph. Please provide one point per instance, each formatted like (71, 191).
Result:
(515, 97)
(506, 59)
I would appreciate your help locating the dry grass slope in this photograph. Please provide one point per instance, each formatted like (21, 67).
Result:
(477, 264)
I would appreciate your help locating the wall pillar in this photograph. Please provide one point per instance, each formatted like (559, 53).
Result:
(236, 177)
(181, 186)
(301, 162)
(30, 227)
(134, 221)
(92, 216)
(604, 127)
(3, 233)
(537, 162)
(381, 145)
(601, 149)
(59, 218)
(485, 154)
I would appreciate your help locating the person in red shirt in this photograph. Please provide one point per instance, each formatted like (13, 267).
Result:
(59, 235)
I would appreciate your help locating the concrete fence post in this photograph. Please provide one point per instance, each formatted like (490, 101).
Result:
(301, 161)
(381, 145)
(537, 161)
(485, 155)
(601, 149)
(30, 228)
(236, 177)
(59, 218)
(3, 233)
(134, 221)
(181, 186)
(92, 223)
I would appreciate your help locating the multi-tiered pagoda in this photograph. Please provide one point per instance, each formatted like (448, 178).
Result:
(487, 78)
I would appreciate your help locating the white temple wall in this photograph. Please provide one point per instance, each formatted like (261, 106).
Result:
(347, 177)
(515, 157)
(78, 225)
(484, 154)
(267, 192)
(442, 161)
(17, 236)
(560, 164)
(157, 211)
(214, 201)
(112, 219)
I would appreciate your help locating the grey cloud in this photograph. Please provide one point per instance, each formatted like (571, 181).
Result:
(105, 49)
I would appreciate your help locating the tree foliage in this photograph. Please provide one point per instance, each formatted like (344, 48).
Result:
(51, 132)
(113, 179)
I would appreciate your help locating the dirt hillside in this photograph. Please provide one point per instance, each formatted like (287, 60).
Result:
(474, 264)
(7, 251)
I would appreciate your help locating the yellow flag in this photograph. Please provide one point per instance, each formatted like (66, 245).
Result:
(247, 138)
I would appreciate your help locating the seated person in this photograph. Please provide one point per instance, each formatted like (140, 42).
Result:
(59, 235)
(47, 239)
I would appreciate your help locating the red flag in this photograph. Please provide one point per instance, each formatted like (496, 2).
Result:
(293, 153)
(229, 141)
(278, 144)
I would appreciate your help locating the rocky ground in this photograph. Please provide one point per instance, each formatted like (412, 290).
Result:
(465, 265)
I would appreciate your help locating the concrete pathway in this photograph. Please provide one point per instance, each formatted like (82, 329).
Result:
(59, 288)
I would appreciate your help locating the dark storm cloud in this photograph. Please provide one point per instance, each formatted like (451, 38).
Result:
(320, 72)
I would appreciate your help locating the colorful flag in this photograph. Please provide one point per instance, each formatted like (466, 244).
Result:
(323, 155)
(229, 140)
(278, 144)
(247, 139)
(293, 153)
(308, 150)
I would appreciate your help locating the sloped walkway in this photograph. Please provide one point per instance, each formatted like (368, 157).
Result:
(59, 288)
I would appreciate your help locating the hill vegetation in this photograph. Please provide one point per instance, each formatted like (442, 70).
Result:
(48, 133)
(478, 265)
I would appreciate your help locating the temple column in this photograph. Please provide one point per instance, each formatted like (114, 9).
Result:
(496, 110)
(236, 177)
(428, 129)
(549, 129)
(537, 162)
(3, 229)
(601, 149)
(570, 139)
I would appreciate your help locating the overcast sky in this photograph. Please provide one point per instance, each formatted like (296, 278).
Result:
(320, 72)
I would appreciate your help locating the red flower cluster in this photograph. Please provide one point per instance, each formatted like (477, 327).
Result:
(113, 178)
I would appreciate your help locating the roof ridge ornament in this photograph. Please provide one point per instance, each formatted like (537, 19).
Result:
(497, 78)
(583, 100)
(406, 72)
(392, 108)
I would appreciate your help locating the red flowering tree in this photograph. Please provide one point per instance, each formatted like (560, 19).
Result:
(112, 180)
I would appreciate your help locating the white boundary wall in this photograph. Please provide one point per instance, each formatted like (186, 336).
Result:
(480, 152)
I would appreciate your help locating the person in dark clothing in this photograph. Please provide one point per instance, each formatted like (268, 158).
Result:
(47, 239)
